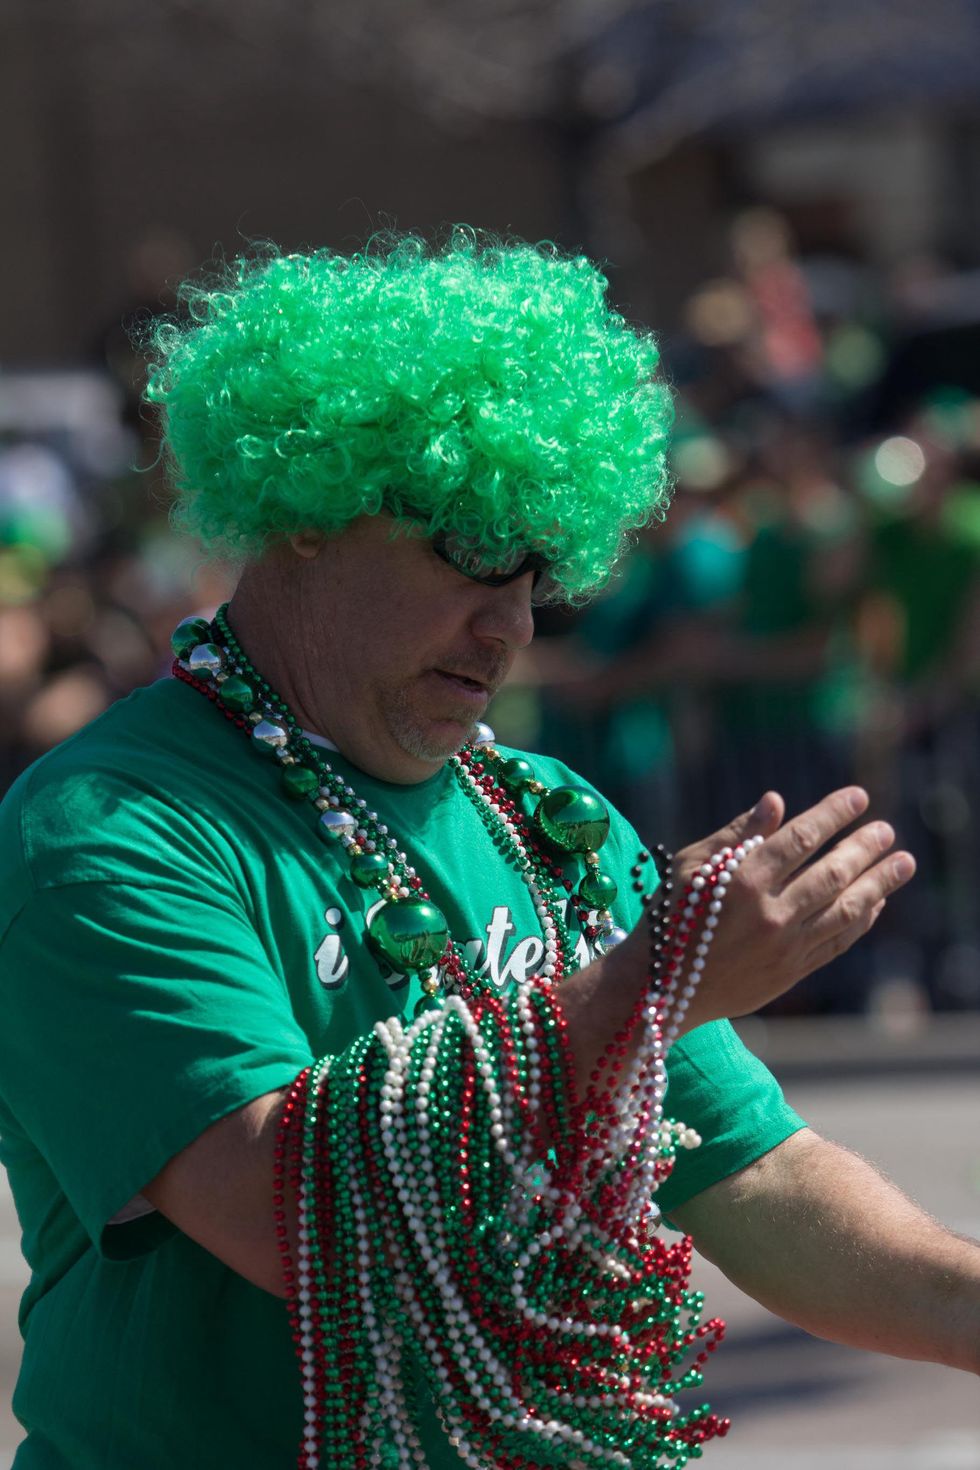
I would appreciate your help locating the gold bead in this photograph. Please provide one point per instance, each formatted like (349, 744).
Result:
(431, 985)
(536, 787)
(592, 858)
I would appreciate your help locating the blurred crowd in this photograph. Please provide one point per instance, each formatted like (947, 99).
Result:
(92, 576)
(808, 615)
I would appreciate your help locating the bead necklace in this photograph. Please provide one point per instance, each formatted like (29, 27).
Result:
(407, 932)
(548, 1319)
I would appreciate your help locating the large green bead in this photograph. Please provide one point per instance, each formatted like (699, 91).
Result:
(516, 773)
(410, 935)
(188, 634)
(598, 890)
(299, 781)
(237, 694)
(573, 818)
(368, 869)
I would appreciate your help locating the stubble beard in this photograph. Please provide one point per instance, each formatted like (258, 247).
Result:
(414, 734)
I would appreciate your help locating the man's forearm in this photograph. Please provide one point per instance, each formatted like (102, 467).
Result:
(818, 1236)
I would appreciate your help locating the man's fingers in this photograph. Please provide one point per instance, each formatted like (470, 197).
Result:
(852, 909)
(802, 838)
(843, 940)
(825, 880)
(762, 820)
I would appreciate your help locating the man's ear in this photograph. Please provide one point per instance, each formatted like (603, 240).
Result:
(307, 544)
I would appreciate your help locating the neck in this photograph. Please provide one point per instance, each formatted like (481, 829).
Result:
(277, 645)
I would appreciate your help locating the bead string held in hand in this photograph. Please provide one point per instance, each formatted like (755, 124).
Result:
(512, 1301)
(671, 936)
(428, 1223)
(623, 1107)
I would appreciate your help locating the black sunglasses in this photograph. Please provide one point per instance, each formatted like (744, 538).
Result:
(496, 566)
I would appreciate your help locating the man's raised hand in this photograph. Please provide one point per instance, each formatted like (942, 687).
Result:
(791, 907)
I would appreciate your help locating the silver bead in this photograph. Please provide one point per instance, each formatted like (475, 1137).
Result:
(609, 940)
(334, 824)
(206, 659)
(270, 737)
(483, 735)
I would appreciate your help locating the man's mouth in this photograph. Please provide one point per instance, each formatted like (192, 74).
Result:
(464, 684)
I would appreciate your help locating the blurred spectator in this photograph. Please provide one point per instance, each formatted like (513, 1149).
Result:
(920, 636)
(786, 345)
(631, 686)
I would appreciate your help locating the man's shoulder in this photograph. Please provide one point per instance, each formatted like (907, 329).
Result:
(87, 808)
(117, 748)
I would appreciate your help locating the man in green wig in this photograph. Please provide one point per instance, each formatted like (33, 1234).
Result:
(358, 1076)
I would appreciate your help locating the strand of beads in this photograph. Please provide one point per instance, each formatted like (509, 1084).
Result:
(631, 1145)
(275, 734)
(572, 821)
(499, 811)
(703, 903)
(536, 1344)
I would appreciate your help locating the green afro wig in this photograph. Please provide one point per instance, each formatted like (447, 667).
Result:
(485, 389)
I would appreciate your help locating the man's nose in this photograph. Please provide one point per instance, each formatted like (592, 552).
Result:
(505, 613)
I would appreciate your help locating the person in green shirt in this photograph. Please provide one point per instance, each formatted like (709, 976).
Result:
(311, 993)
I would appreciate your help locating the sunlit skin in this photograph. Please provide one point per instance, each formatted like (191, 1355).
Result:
(379, 645)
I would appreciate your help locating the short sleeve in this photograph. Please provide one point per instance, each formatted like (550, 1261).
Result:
(131, 1019)
(716, 1085)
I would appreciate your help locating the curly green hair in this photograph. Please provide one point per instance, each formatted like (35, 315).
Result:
(486, 389)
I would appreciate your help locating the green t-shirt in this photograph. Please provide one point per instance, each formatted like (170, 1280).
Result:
(174, 942)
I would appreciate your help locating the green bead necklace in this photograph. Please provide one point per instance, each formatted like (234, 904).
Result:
(408, 932)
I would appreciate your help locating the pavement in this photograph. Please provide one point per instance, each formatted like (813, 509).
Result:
(904, 1094)
(13, 1278)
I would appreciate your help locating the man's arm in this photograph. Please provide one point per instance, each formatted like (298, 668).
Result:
(218, 1190)
(818, 1236)
(781, 924)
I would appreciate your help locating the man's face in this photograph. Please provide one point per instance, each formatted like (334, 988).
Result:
(406, 652)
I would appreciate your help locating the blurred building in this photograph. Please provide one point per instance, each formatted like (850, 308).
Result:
(136, 140)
